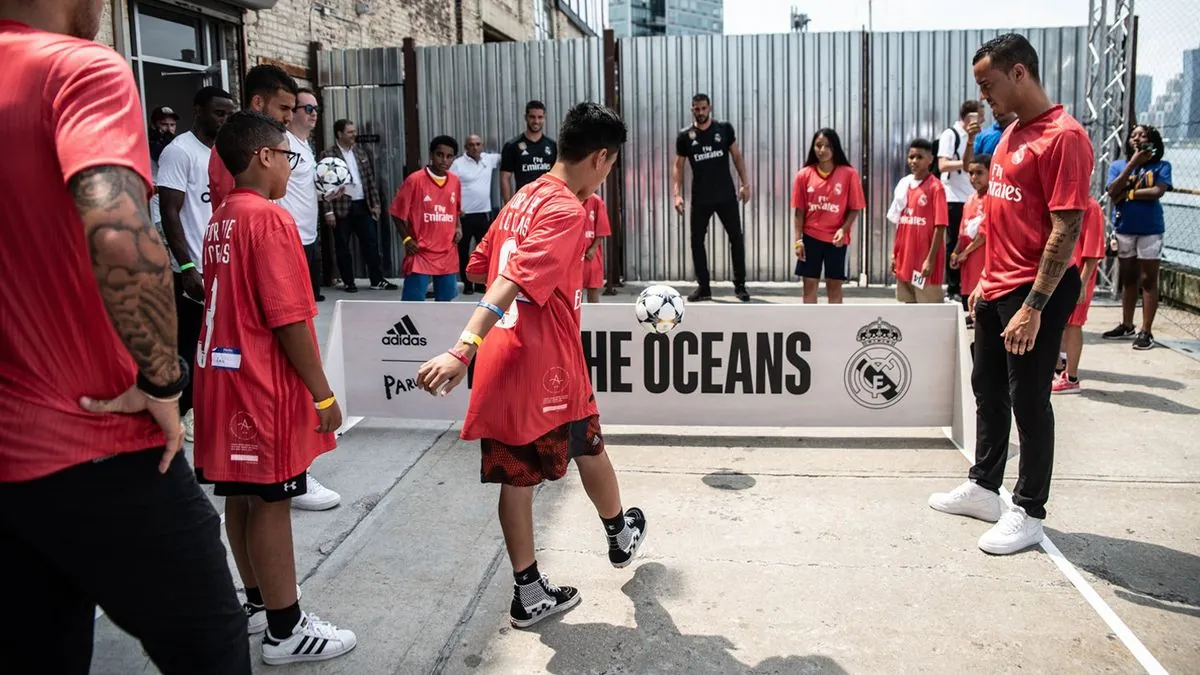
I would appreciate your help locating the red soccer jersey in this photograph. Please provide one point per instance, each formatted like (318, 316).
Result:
(925, 210)
(220, 182)
(597, 225)
(1041, 165)
(69, 105)
(431, 211)
(530, 373)
(1091, 239)
(827, 200)
(255, 419)
(971, 269)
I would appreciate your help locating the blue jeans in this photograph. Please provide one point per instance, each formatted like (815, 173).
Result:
(445, 287)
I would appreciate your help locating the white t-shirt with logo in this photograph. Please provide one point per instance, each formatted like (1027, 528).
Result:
(183, 166)
(301, 197)
(957, 183)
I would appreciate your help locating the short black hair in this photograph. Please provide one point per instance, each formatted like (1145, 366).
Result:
(535, 105)
(1153, 135)
(590, 127)
(209, 93)
(921, 144)
(1007, 51)
(447, 141)
(264, 80)
(698, 98)
(243, 134)
(306, 90)
(835, 145)
(340, 125)
(982, 158)
(969, 106)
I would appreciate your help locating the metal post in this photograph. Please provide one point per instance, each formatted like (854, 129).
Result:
(615, 261)
(412, 122)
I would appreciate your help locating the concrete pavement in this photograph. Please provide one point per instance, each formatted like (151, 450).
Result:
(772, 551)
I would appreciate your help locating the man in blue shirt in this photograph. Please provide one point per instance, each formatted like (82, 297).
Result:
(988, 139)
(1135, 185)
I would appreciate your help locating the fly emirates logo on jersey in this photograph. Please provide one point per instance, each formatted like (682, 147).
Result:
(999, 189)
(707, 152)
(822, 203)
(439, 215)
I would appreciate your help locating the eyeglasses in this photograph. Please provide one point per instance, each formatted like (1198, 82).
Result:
(309, 108)
(293, 157)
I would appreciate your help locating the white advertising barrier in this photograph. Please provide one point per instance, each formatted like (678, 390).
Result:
(765, 365)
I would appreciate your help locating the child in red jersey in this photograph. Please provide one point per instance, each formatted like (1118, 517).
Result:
(1089, 251)
(426, 211)
(827, 198)
(265, 408)
(531, 402)
(968, 252)
(597, 230)
(921, 216)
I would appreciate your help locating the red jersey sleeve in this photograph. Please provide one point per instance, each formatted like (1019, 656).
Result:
(798, 195)
(281, 271)
(220, 181)
(403, 200)
(856, 201)
(1065, 172)
(603, 227)
(553, 245)
(1092, 236)
(97, 114)
(941, 218)
(481, 257)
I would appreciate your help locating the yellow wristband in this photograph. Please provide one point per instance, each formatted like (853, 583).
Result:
(798, 244)
(406, 240)
(327, 403)
(1131, 197)
(470, 338)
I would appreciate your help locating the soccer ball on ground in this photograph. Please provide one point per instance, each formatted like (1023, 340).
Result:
(659, 309)
(331, 174)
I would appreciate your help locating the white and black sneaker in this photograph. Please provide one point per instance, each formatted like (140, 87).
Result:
(1121, 332)
(311, 640)
(1143, 341)
(623, 546)
(535, 601)
(256, 615)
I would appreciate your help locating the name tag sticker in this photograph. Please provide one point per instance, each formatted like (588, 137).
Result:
(918, 280)
(226, 358)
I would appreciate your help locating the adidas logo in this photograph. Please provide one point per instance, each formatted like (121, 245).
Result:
(428, 198)
(404, 334)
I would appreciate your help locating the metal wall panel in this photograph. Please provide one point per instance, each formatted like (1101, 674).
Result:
(776, 90)
(918, 81)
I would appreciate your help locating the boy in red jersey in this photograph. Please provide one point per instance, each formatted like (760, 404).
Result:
(531, 401)
(266, 409)
(1038, 190)
(827, 198)
(920, 212)
(597, 230)
(1088, 254)
(968, 251)
(426, 213)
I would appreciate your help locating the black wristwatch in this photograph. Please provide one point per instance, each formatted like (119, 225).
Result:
(167, 391)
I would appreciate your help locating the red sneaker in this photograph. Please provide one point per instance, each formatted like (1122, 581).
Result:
(1063, 385)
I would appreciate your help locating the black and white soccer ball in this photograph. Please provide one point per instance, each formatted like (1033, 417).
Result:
(331, 174)
(659, 309)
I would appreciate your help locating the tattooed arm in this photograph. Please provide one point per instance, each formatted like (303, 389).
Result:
(131, 267)
(1065, 227)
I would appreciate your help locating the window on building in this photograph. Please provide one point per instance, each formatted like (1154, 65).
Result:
(543, 19)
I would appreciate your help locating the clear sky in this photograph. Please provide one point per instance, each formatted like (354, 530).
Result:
(1167, 26)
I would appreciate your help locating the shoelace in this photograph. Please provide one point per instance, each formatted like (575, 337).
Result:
(314, 485)
(1011, 522)
(320, 627)
(549, 587)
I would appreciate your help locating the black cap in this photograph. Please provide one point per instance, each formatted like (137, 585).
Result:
(162, 112)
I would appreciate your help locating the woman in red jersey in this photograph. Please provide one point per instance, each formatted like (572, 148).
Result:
(827, 197)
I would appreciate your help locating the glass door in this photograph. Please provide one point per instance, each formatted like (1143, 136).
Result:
(176, 53)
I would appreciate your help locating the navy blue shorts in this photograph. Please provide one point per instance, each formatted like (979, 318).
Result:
(820, 254)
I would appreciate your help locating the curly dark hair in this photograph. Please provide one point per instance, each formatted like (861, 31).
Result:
(1155, 137)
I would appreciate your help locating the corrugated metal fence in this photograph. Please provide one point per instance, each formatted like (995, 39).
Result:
(776, 90)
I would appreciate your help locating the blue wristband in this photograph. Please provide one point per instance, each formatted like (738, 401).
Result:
(487, 305)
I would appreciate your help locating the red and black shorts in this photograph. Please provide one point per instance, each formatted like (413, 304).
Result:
(268, 492)
(545, 458)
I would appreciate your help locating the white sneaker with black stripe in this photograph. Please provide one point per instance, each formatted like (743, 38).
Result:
(311, 640)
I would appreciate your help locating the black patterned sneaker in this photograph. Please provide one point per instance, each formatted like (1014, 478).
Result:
(700, 294)
(1121, 332)
(535, 601)
(311, 640)
(1143, 341)
(623, 546)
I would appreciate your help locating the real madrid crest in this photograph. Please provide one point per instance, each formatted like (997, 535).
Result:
(547, 150)
(692, 134)
(521, 145)
(717, 137)
(878, 375)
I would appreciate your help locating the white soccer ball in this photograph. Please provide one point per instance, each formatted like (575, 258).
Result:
(659, 309)
(331, 174)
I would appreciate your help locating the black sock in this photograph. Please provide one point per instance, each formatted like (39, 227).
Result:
(528, 575)
(281, 622)
(614, 525)
(1072, 380)
(254, 596)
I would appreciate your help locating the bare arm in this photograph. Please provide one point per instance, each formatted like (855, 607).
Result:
(972, 246)
(677, 177)
(1065, 227)
(798, 223)
(302, 353)
(851, 219)
(1149, 194)
(131, 267)
(402, 228)
(939, 243)
(171, 204)
(506, 186)
(739, 164)
(501, 293)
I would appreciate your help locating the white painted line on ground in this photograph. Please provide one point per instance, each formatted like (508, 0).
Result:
(1118, 627)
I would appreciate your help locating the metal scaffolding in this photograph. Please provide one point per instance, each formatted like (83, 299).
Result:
(1110, 73)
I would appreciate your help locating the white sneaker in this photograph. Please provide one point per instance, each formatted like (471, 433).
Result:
(318, 497)
(189, 426)
(1015, 531)
(311, 640)
(256, 615)
(968, 499)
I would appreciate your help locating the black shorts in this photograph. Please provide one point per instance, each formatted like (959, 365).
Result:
(821, 254)
(545, 458)
(268, 492)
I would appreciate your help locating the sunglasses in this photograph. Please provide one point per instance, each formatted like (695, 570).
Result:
(309, 108)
